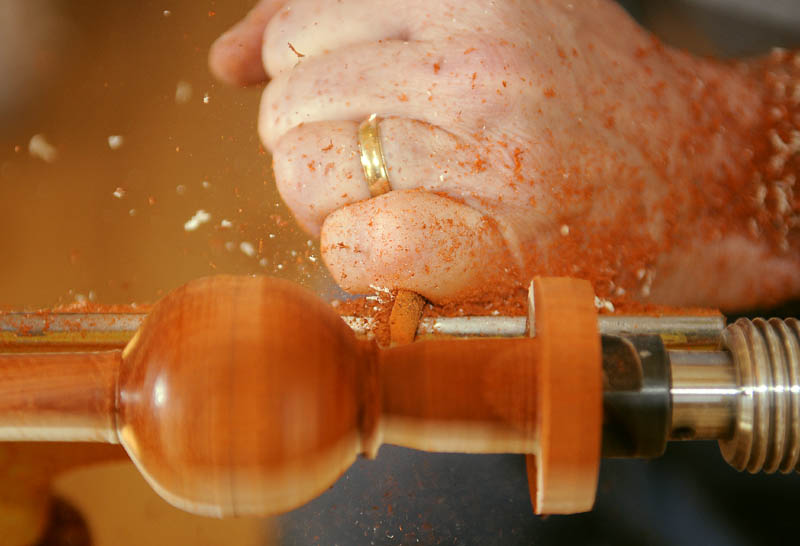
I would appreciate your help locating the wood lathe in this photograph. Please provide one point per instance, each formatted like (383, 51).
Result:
(250, 396)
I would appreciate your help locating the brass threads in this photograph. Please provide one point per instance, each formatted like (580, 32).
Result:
(766, 355)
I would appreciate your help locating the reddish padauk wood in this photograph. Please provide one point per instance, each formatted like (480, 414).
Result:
(250, 396)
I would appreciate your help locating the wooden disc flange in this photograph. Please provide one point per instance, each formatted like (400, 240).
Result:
(562, 472)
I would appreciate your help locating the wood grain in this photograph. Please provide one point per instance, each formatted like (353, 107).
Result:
(469, 396)
(256, 396)
(58, 396)
(250, 396)
(562, 471)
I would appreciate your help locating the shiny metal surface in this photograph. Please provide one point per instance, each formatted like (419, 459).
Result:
(66, 331)
(681, 330)
(674, 330)
(789, 333)
(766, 355)
(39, 323)
(91, 328)
(704, 395)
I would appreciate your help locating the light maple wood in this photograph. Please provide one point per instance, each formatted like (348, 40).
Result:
(250, 396)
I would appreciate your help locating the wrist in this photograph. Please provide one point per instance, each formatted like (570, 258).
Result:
(733, 209)
(742, 226)
(776, 164)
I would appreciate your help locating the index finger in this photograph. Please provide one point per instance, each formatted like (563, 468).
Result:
(235, 57)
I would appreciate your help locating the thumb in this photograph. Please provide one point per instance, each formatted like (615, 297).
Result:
(419, 241)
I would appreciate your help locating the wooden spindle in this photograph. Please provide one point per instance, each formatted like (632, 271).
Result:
(67, 397)
(250, 396)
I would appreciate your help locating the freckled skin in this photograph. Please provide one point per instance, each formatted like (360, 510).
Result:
(512, 120)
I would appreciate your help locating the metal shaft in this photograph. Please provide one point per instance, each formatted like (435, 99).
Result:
(704, 392)
(20, 329)
(747, 396)
(766, 355)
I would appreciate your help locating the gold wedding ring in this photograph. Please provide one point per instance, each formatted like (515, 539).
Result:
(369, 142)
(408, 305)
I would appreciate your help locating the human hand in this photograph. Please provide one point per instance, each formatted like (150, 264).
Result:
(521, 139)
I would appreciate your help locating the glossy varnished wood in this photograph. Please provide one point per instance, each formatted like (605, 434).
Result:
(250, 396)
(59, 396)
(562, 470)
(241, 395)
(469, 396)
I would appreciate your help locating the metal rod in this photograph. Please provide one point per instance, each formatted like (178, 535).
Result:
(21, 331)
(704, 393)
(674, 330)
(115, 329)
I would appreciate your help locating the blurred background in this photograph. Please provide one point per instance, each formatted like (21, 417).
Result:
(125, 170)
(113, 137)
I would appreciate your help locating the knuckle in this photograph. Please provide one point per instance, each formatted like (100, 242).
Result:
(481, 70)
(270, 113)
(277, 35)
(315, 170)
